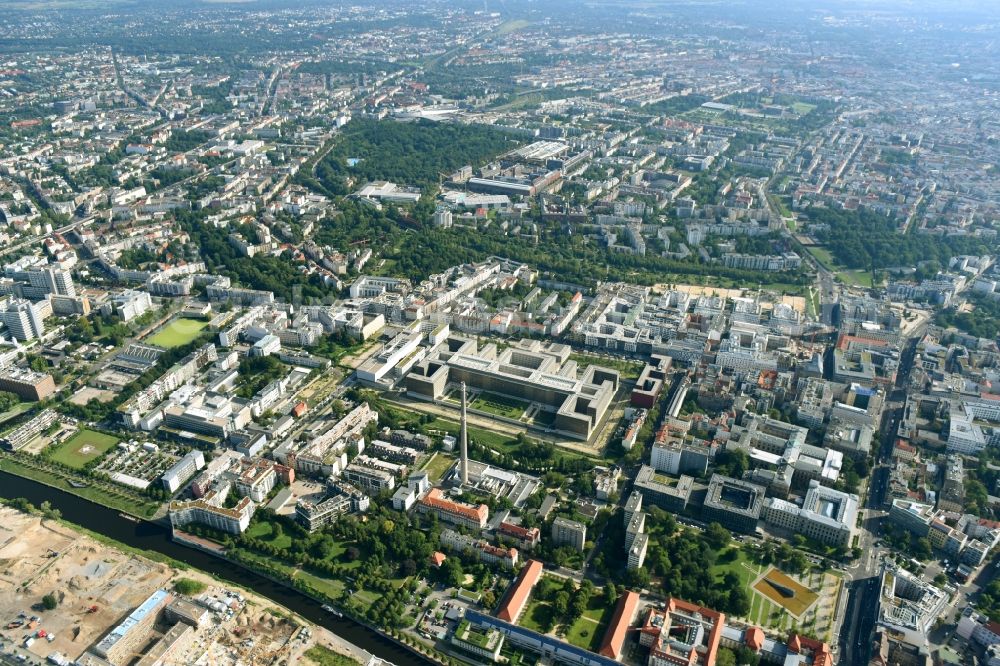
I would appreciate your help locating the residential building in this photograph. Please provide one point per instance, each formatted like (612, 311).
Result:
(637, 551)
(27, 384)
(24, 319)
(210, 510)
(317, 515)
(569, 533)
(183, 470)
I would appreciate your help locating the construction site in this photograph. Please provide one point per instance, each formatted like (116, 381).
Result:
(67, 598)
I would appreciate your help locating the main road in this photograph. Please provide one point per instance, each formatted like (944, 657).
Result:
(857, 630)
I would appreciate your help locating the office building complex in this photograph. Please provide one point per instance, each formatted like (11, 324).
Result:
(453, 512)
(733, 503)
(826, 515)
(669, 493)
(529, 370)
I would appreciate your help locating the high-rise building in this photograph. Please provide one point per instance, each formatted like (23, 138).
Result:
(48, 280)
(24, 319)
(569, 532)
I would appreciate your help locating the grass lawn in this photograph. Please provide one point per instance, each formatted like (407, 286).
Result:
(437, 465)
(17, 409)
(81, 448)
(813, 303)
(367, 597)
(802, 108)
(492, 403)
(513, 25)
(856, 278)
(822, 255)
(586, 633)
(323, 656)
(736, 561)
(589, 628)
(332, 588)
(493, 440)
(177, 333)
(537, 617)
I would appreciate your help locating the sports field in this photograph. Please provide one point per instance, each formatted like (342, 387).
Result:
(177, 333)
(81, 448)
(786, 592)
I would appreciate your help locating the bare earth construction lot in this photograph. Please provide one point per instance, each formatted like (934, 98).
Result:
(97, 586)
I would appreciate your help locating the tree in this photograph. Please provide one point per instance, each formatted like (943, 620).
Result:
(560, 605)
(746, 657)
(610, 594)
(188, 587)
(49, 601)
(717, 536)
(452, 573)
(725, 657)
(8, 400)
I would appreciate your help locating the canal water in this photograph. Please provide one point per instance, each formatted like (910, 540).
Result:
(156, 538)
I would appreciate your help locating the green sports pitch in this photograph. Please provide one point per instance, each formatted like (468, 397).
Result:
(177, 333)
(81, 448)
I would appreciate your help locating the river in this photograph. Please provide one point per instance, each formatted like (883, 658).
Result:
(153, 537)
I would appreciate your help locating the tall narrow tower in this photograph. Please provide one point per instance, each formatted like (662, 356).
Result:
(465, 441)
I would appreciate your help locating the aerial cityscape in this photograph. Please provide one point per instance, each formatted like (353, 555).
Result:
(470, 332)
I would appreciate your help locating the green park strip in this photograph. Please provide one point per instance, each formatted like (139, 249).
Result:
(100, 492)
(322, 656)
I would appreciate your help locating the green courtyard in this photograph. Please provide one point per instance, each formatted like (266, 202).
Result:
(499, 405)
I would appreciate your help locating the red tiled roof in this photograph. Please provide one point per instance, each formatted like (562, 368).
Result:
(754, 638)
(518, 531)
(517, 595)
(436, 500)
(614, 637)
(820, 651)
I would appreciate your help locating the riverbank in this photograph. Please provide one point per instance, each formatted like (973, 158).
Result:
(151, 537)
(92, 584)
(103, 493)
